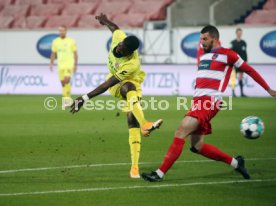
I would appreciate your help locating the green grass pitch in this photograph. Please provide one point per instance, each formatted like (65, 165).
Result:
(86, 157)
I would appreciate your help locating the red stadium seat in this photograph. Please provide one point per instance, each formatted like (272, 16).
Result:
(61, 1)
(15, 10)
(129, 20)
(113, 7)
(154, 10)
(29, 2)
(79, 9)
(30, 22)
(5, 2)
(90, 1)
(46, 10)
(56, 21)
(88, 21)
(270, 5)
(262, 17)
(6, 21)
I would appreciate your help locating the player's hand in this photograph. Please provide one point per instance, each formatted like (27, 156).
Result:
(272, 92)
(102, 18)
(51, 67)
(77, 104)
(75, 68)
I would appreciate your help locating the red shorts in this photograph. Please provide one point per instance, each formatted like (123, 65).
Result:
(204, 109)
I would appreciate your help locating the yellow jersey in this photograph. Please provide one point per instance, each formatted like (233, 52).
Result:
(124, 68)
(64, 48)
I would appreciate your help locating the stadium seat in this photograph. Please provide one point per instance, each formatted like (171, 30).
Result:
(127, 20)
(45, 10)
(270, 5)
(61, 1)
(165, 2)
(262, 17)
(154, 10)
(30, 22)
(5, 2)
(88, 21)
(56, 21)
(90, 1)
(15, 10)
(29, 2)
(6, 21)
(79, 9)
(112, 8)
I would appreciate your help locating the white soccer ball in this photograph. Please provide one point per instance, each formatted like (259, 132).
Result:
(252, 127)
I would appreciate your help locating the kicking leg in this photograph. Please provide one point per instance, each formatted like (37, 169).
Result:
(128, 91)
(134, 143)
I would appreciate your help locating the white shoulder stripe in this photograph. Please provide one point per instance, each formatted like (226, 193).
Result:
(214, 57)
(238, 63)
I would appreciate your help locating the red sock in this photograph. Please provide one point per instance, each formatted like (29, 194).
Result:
(214, 153)
(172, 154)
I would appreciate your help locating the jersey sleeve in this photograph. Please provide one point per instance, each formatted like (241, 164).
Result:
(234, 59)
(118, 36)
(254, 74)
(74, 45)
(54, 46)
(125, 72)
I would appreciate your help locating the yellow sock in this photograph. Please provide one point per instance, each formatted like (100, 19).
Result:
(233, 79)
(135, 107)
(135, 145)
(66, 90)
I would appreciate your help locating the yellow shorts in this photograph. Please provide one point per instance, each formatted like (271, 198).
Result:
(65, 72)
(115, 92)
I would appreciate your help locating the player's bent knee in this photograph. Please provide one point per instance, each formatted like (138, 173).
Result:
(194, 150)
(128, 86)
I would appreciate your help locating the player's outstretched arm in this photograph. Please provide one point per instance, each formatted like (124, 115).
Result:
(257, 77)
(102, 18)
(77, 104)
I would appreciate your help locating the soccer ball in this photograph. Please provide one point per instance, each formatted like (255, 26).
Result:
(252, 127)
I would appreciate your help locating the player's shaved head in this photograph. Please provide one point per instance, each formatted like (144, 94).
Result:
(212, 30)
(132, 43)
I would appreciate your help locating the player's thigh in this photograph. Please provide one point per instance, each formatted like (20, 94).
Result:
(129, 86)
(65, 74)
(187, 126)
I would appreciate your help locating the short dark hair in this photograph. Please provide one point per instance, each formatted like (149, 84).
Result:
(132, 43)
(238, 29)
(212, 30)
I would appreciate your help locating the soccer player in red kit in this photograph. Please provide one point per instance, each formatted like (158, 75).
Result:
(212, 79)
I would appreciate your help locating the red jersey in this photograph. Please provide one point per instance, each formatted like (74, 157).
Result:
(214, 71)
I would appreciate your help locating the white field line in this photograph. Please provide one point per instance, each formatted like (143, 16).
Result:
(158, 186)
(117, 164)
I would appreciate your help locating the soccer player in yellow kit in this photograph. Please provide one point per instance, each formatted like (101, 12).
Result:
(65, 49)
(124, 82)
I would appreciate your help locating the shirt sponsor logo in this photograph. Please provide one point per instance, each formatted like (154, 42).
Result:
(268, 44)
(44, 45)
(189, 44)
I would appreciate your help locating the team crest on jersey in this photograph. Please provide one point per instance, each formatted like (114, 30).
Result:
(214, 56)
(117, 65)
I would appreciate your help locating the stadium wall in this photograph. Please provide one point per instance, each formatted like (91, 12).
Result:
(31, 47)
(161, 79)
